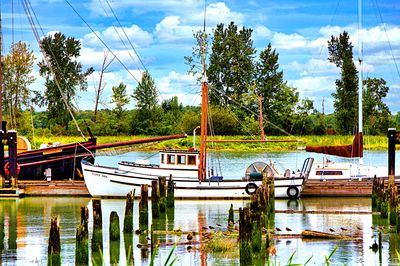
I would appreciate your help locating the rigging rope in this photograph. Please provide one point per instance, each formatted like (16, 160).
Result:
(29, 11)
(126, 36)
(101, 40)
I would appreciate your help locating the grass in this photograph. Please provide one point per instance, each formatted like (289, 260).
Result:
(370, 142)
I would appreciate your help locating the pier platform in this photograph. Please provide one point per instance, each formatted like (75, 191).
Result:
(54, 188)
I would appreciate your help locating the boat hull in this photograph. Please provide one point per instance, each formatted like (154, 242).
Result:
(104, 181)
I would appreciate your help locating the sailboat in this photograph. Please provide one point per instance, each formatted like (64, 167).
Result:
(328, 170)
(188, 169)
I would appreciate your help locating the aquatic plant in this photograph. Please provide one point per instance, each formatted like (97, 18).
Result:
(167, 261)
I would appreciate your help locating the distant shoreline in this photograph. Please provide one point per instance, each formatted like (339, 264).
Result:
(370, 142)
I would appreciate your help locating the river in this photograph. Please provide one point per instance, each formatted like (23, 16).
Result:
(26, 222)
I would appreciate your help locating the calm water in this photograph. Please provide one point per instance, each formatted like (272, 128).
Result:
(26, 221)
(26, 224)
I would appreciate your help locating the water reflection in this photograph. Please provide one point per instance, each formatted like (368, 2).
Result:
(24, 229)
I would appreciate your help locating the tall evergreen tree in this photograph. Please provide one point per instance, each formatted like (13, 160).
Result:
(63, 77)
(231, 68)
(346, 95)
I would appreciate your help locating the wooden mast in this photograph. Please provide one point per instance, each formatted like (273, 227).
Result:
(204, 119)
(261, 119)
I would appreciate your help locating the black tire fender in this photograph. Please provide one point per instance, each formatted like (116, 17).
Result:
(292, 192)
(251, 188)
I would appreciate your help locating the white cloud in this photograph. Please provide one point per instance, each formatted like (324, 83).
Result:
(170, 29)
(288, 41)
(261, 32)
(116, 37)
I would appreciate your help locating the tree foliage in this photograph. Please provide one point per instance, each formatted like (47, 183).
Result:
(375, 112)
(17, 69)
(231, 66)
(64, 75)
(345, 97)
(120, 98)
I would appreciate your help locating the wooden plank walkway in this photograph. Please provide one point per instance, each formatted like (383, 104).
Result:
(54, 188)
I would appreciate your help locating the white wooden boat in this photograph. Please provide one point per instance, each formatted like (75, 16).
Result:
(103, 181)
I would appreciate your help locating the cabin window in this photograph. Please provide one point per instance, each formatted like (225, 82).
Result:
(170, 159)
(191, 159)
(162, 158)
(181, 159)
(329, 173)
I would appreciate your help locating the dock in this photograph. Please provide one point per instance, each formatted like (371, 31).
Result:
(54, 188)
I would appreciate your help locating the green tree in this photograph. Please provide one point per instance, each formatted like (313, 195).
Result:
(17, 68)
(345, 97)
(146, 94)
(376, 113)
(147, 114)
(231, 67)
(120, 98)
(63, 74)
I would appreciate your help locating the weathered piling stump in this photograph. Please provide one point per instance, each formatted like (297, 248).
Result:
(162, 184)
(245, 236)
(393, 203)
(155, 197)
(82, 239)
(374, 194)
(144, 207)
(54, 248)
(114, 232)
(170, 193)
(128, 219)
(231, 218)
(384, 205)
(97, 236)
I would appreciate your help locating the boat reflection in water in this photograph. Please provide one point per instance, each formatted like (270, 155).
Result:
(24, 231)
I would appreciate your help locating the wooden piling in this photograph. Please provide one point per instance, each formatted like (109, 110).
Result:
(128, 219)
(231, 218)
(54, 248)
(393, 203)
(144, 207)
(170, 193)
(97, 237)
(114, 233)
(82, 239)
(245, 235)
(374, 194)
(162, 184)
(155, 196)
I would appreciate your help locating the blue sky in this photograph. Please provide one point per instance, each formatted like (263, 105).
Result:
(161, 31)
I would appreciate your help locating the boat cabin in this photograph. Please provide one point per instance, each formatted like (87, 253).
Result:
(187, 159)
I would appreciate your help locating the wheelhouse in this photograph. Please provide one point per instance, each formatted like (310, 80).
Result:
(179, 159)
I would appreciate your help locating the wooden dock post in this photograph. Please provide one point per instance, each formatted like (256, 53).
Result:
(155, 197)
(114, 231)
(12, 157)
(128, 219)
(170, 193)
(374, 194)
(245, 235)
(231, 218)
(82, 239)
(128, 241)
(97, 237)
(54, 248)
(162, 184)
(144, 207)
(393, 139)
